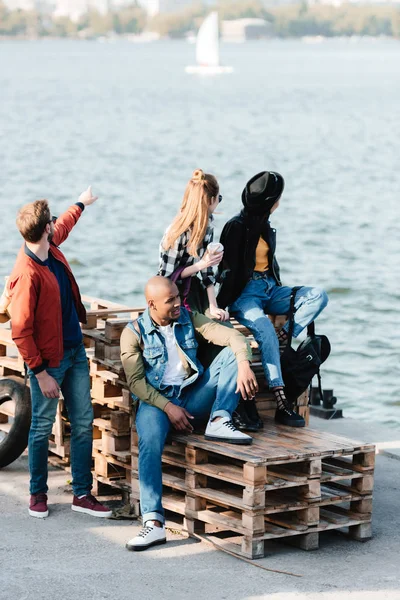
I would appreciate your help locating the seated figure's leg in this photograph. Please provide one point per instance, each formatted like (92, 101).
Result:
(250, 313)
(152, 425)
(310, 302)
(214, 395)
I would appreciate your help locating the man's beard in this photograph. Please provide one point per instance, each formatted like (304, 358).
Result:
(50, 236)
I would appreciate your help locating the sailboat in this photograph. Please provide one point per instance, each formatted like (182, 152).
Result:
(207, 49)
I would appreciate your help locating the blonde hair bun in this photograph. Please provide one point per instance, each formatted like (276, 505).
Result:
(198, 175)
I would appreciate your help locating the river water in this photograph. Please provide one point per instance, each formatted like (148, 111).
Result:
(128, 119)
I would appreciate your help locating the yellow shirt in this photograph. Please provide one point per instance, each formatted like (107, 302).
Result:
(261, 255)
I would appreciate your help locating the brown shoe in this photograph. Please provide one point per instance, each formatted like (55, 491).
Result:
(89, 505)
(38, 506)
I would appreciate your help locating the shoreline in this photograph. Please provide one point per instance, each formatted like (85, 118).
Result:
(139, 38)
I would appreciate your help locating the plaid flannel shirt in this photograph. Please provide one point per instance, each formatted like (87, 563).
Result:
(178, 256)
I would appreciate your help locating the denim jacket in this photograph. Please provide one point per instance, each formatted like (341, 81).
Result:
(155, 356)
(144, 353)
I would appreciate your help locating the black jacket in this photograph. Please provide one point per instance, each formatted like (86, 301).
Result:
(240, 237)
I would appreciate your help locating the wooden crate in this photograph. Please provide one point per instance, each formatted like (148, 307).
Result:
(106, 321)
(291, 484)
(109, 389)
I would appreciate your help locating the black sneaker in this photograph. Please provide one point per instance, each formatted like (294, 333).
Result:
(287, 416)
(251, 410)
(242, 420)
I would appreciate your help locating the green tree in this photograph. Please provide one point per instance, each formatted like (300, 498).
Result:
(132, 19)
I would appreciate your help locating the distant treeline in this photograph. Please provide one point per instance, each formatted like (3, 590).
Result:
(295, 20)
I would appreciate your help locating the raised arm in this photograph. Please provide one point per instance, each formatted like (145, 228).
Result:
(69, 219)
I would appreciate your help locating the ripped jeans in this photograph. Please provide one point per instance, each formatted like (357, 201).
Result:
(262, 295)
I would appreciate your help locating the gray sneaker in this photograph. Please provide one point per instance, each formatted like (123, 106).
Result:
(150, 535)
(223, 430)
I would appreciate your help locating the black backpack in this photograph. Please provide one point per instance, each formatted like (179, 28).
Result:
(301, 365)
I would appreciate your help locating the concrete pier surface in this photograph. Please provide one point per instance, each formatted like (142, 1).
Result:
(70, 556)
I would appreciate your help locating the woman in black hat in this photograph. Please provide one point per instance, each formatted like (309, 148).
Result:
(251, 287)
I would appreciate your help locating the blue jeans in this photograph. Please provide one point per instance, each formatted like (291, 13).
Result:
(213, 393)
(262, 295)
(73, 378)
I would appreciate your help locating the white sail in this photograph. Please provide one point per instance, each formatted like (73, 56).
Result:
(207, 49)
(207, 45)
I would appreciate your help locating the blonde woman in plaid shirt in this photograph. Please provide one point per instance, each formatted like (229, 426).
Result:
(183, 249)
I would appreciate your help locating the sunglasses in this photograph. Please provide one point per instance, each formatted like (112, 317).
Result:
(219, 198)
(53, 220)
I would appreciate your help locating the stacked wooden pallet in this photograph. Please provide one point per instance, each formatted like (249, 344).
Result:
(110, 397)
(109, 391)
(290, 484)
(111, 401)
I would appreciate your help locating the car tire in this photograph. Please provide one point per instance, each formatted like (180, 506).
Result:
(16, 440)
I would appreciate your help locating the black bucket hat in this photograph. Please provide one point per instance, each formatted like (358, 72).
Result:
(262, 191)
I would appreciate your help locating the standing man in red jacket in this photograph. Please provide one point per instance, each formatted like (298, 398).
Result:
(46, 314)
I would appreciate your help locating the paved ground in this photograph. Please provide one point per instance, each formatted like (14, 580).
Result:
(70, 556)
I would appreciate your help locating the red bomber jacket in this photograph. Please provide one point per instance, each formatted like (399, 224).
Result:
(36, 321)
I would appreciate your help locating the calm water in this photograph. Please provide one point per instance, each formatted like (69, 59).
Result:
(126, 118)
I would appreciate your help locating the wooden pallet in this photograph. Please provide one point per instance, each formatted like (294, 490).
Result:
(291, 483)
(106, 321)
(109, 389)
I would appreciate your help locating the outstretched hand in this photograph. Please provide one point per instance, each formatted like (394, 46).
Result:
(87, 197)
(246, 381)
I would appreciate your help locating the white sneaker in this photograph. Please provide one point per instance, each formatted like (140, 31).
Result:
(150, 535)
(223, 430)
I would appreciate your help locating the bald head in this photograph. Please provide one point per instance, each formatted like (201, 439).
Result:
(163, 300)
(157, 286)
